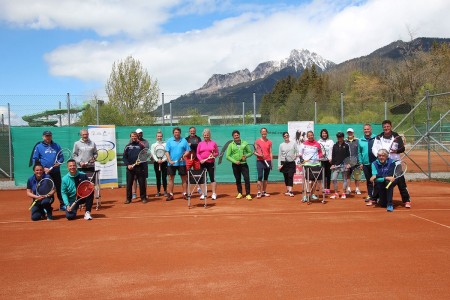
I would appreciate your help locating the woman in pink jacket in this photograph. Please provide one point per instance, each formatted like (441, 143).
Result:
(207, 151)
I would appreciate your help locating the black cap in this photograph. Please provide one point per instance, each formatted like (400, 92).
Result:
(340, 134)
(47, 132)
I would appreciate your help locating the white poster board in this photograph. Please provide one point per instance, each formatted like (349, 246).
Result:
(297, 131)
(104, 137)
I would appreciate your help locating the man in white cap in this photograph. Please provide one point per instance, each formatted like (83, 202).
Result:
(353, 145)
(145, 144)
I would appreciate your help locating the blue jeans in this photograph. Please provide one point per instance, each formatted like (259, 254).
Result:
(42, 207)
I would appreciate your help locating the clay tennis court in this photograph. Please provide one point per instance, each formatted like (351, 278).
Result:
(267, 248)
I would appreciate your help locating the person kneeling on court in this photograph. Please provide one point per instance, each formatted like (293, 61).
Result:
(71, 198)
(40, 188)
(382, 175)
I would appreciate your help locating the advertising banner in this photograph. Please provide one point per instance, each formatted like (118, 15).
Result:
(104, 136)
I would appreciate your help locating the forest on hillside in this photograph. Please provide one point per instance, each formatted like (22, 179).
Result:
(363, 87)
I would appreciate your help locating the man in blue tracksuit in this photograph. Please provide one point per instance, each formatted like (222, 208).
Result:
(45, 154)
(382, 174)
(366, 157)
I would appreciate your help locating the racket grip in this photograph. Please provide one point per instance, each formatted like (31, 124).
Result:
(32, 204)
(267, 164)
(389, 184)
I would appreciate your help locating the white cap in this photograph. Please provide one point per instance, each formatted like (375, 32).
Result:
(348, 130)
(138, 130)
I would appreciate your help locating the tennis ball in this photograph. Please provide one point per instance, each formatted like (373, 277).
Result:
(111, 155)
(102, 157)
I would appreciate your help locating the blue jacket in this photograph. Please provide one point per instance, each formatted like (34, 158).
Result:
(365, 155)
(131, 152)
(383, 170)
(46, 154)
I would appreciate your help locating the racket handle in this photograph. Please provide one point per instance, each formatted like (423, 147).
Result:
(389, 184)
(32, 204)
(267, 164)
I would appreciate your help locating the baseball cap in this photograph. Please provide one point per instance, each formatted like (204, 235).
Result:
(350, 130)
(340, 134)
(47, 132)
(139, 130)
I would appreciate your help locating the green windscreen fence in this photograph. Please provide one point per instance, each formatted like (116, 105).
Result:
(25, 138)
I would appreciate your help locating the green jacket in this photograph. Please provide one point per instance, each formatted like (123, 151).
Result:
(69, 185)
(235, 152)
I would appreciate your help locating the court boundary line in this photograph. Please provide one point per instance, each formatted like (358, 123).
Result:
(431, 221)
(141, 216)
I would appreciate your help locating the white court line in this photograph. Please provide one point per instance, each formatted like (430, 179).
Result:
(249, 214)
(443, 225)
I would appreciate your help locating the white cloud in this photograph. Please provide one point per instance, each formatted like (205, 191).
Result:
(183, 62)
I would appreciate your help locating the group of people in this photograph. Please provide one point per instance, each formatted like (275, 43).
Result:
(373, 155)
(46, 164)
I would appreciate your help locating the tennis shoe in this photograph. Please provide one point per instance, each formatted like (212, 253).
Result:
(133, 196)
(239, 196)
(305, 199)
(368, 199)
(214, 196)
(258, 195)
(314, 197)
(185, 196)
(169, 197)
(390, 208)
(266, 194)
(87, 216)
(349, 190)
(165, 194)
(369, 203)
(290, 194)
(357, 192)
(248, 197)
(334, 196)
(157, 194)
(127, 201)
(202, 197)
(408, 204)
(343, 196)
(144, 200)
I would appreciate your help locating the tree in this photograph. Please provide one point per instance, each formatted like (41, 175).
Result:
(108, 114)
(193, 118)
(131, 89)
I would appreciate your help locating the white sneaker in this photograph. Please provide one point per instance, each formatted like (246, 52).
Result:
(358, 192)
(349, 190)
(214, 196)
(199, 190)
(202, 197)
(87, 216)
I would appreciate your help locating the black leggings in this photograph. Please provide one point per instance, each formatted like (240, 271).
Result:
(238, 170)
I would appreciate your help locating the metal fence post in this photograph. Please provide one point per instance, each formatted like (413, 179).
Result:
(10, 143)
(254, 108)
(427, 95)
(97, 109)
(162, 108)
(243, 113)
(68, 109)
(170, 110)
(342, 108)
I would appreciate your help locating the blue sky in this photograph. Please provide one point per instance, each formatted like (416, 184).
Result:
(54, 47)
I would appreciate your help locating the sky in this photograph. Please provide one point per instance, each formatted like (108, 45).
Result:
(54, 47)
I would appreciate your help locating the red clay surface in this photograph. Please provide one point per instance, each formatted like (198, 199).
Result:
(267, 248)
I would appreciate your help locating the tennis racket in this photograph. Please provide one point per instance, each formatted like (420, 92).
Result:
(142, 157)
(160, 152)
(258, 151)
(62, 156)
(394, 143)
(325, 153)
(193, 141)
(400, 169)
(44, 187)
(84, 190)
(350, 162)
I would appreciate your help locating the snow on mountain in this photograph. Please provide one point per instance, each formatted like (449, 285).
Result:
(298, 59)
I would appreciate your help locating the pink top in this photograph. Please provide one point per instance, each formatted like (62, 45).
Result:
(205, 148)
(266, 147)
